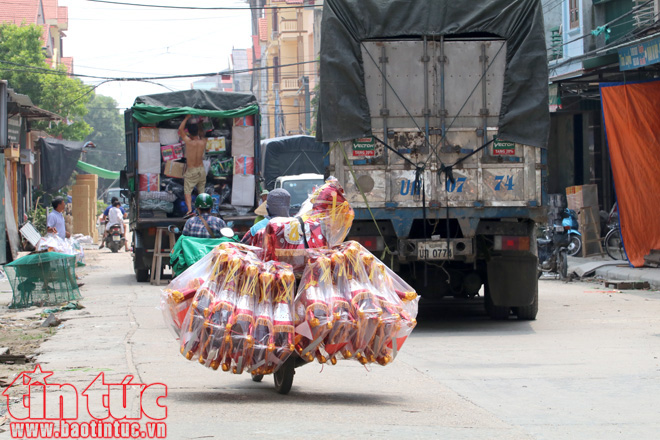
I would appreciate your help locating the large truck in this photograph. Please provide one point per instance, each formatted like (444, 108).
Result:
(437, 112)
(232, 117)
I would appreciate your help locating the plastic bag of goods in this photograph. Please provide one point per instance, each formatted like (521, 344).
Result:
(283, 337)
(362, 300)
(328, 206)
(203, 331)
(274, 329)
(399, 311)
(52, 242)
(263, 326)
(242, 321)
(313, 314)
(338, 342)
(77, 249)
(177, 297)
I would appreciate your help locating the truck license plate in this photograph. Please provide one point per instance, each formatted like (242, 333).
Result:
(437, 250)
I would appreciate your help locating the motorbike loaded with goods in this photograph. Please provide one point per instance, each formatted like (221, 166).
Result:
(302, 295)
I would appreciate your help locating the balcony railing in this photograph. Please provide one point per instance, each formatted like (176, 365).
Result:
(288, 26)
(644, 14)
(289, 84)
(556, 44)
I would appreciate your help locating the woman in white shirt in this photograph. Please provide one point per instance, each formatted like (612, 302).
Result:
(115, 217)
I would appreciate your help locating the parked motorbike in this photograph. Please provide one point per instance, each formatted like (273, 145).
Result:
(570, 223)
(553, 251)
(115, 240)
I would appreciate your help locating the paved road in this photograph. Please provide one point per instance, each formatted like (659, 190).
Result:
(587, 368)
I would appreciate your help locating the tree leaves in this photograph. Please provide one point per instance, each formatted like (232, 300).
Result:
(21, 59)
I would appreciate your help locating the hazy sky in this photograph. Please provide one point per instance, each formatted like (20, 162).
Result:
(127, 41)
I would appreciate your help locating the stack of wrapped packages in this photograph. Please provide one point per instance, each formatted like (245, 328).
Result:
(238, 309)
(228, 162)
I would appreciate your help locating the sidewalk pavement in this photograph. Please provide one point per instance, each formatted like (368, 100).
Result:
(608, 269)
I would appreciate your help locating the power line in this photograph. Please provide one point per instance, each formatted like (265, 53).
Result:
(213, 8)
(150, 78)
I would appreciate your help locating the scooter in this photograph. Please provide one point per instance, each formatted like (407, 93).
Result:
(115, 240)
(570, 223)
(553, 251)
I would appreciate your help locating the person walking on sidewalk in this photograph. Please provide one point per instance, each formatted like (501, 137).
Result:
(195, 175)
(55, 221)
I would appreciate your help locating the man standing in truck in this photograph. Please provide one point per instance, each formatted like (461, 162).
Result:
(195, 175)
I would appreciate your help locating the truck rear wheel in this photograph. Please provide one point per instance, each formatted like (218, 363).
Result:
(528, 313)
(493, 311)
(142, 275)
(512, 283)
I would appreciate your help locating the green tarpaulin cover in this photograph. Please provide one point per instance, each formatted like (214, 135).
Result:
(151, 109)
(189, 250)
(43, 279)
(101, 172)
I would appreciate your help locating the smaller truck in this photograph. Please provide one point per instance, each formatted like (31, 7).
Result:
(299, 187)
(152, 180)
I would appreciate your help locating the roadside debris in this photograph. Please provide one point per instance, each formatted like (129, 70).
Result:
(51, 321)
(627, 284)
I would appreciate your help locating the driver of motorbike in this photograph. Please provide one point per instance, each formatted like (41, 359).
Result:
(204, 225)
(115, 217)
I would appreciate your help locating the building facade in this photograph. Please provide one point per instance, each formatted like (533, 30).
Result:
(585, 39)
(285, 48)
(20, 158)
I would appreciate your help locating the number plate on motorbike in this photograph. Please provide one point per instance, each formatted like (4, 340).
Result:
(116, 238)
(433, 250)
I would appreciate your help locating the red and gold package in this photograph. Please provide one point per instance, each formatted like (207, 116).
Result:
(242, 320)
(263, 326)
(217, 325)
(191, 329)
(313, 316)
(285, 240)
(379, 349)
(363, 301)
(328, 206)
(176, 303)
(339, 339)
(283, 327)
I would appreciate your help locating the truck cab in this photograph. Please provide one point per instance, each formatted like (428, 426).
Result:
(300, 187)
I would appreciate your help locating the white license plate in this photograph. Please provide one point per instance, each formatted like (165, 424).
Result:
(433, 251)
(116, 238)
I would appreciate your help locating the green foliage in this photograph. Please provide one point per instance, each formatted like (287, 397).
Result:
(100, 207)
(22, 45)
(37, 217)
(67, 97)
(108, 135)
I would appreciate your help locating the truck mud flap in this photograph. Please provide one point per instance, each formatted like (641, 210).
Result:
(512, 280)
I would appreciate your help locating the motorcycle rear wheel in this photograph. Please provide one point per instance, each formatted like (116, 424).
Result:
(575, 246)
(563, 264)
(614, 245)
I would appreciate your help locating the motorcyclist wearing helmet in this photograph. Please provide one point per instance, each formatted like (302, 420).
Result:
(204, 224)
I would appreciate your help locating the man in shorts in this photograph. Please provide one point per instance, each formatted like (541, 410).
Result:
(195, 175)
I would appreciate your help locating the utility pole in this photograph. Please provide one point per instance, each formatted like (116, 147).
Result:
(308, 116)
(4, 124)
